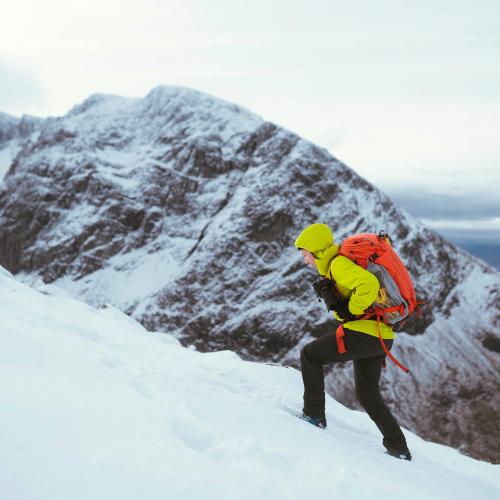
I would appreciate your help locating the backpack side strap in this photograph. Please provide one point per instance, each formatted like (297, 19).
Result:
(379, 313)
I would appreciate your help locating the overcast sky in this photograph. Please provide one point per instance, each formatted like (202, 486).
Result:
(405, 92)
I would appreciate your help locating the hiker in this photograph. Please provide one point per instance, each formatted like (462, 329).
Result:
(356, 289)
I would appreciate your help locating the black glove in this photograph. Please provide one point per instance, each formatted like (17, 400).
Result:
(342, 310)
(327, 292)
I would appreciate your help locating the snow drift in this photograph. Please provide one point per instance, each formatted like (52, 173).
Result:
(95, 407)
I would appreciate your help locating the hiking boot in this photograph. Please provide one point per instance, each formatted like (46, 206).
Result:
(401, 454)
(317, 421)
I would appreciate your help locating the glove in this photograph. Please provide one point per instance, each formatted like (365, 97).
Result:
(327, 292)
(342, 310)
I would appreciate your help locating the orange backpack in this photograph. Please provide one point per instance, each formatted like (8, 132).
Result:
(396, 299)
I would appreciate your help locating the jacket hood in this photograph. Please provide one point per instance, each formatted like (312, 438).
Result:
(318, 239)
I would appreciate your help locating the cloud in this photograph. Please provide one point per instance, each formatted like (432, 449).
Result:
(425, 204)
(492, 224)
(468, 235)
(471, 217)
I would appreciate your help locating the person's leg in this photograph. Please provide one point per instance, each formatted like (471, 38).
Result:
(323, 351)
(312, 358)
(367, 376)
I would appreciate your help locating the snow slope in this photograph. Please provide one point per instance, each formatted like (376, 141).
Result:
(95, 407)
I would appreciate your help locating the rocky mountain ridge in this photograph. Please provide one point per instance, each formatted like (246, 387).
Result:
(181, 209)
(18, 128)
(14, 134)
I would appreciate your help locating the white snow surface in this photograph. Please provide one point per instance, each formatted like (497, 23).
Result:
(96, 407)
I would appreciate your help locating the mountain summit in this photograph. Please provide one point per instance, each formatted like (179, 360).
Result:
(182, 209)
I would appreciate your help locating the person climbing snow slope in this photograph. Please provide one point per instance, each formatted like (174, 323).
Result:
(349, 291)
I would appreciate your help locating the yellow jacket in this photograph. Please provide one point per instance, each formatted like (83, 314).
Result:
(361, 286)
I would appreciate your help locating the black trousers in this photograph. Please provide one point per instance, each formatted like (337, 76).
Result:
(368, 357)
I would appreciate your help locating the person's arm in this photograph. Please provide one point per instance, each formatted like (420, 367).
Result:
(363, 284)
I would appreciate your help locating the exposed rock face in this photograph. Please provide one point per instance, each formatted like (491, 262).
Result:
(17, 128)
(182, 210)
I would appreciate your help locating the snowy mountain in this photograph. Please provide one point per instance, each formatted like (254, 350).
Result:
(181, 209)
(94, 406)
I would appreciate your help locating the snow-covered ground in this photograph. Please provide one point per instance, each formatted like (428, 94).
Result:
(95, 407)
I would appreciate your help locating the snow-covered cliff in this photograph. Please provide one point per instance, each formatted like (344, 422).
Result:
(181, 209)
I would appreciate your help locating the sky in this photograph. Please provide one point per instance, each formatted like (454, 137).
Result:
(405, 92)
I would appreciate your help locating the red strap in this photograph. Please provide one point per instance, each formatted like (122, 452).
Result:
(340, 334)
(387, 352)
